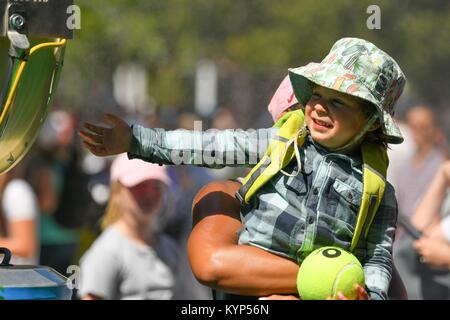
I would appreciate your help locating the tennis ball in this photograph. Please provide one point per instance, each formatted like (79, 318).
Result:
(327, 271)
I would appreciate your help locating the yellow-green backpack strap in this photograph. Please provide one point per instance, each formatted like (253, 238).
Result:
(374, 180)
(278, 155)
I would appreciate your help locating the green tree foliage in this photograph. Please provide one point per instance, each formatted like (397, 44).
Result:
(259, 38)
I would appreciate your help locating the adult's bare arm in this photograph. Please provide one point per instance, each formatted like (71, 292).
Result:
(21, 239)
(216, 259)
(428, 211)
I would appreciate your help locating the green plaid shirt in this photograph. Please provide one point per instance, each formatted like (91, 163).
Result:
(289, 216)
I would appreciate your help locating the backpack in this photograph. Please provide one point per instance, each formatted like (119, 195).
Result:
(284, 147)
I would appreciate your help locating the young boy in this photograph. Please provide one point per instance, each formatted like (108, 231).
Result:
(314, 200)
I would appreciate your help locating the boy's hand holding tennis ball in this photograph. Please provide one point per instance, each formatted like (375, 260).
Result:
(103, 141)
(331, 273)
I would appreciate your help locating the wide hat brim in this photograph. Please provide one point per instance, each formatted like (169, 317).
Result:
(341, 81)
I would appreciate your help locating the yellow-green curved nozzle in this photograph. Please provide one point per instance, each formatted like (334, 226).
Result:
(27, 91)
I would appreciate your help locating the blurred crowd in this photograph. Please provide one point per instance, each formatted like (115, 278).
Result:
(419, 171)
(62, 206)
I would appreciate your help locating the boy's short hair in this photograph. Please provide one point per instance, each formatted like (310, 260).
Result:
(358, 68)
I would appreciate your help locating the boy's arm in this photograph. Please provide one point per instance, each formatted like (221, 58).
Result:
(379, 262)
(212, 148)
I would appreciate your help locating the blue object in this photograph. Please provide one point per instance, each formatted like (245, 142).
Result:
(31, 282)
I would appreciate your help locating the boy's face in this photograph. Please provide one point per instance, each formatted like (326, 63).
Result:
(333, 118)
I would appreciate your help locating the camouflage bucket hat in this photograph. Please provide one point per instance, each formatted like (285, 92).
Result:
(358, 68)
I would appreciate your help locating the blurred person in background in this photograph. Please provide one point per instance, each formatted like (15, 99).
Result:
(224, 119)
(418, 170)
(131, 259)
(175, 219)
(187, 120)
(432, 217)
(61, 190)
(19, 214)
(413, 179)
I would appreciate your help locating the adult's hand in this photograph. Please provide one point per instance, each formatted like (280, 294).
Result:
(433, 251)
(435, 232)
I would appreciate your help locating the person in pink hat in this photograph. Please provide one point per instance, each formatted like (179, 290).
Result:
(130, 259)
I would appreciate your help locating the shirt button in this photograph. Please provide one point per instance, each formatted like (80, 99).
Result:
(316, 191)
(311, 220)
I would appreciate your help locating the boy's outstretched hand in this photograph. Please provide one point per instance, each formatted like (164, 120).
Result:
(103, 141)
